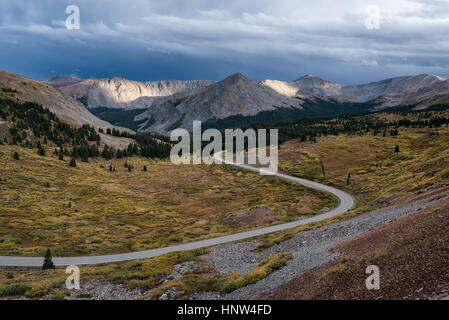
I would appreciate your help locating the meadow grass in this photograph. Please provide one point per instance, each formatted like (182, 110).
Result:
(89, 210)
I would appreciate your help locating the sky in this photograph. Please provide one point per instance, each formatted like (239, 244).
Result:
(346, 41)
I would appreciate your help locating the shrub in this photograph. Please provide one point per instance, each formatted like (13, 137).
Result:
(60, 295)
(15, 289)
(37, 290)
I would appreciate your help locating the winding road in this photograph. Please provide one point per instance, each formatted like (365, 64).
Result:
(346, 203)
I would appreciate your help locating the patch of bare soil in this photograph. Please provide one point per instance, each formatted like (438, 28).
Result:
(253, 217)
(412, 254)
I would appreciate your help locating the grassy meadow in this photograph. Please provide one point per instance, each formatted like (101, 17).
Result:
(90, 210)
(377, 172)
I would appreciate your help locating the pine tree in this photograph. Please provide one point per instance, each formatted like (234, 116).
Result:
(16, 155)
(48, 262)
(396, 149)
(145, 168)
(73, 162)
(41, 151)
(348, 180)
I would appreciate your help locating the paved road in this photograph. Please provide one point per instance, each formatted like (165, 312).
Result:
(346, 203)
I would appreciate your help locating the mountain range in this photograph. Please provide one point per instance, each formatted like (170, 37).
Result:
(161, 106)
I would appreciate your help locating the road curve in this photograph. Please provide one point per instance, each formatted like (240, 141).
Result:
(346, 203)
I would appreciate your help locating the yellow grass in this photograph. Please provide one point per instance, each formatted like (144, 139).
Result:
(90, 210)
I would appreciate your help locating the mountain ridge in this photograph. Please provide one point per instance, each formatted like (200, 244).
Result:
(167, 104)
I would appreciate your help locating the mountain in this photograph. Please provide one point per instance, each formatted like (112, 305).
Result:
(235, 95)
(65, 107)
(420, 91)
(61, 81)
(125, 94)
(238, 101)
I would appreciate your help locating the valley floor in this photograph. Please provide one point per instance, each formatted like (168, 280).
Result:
(400, 224)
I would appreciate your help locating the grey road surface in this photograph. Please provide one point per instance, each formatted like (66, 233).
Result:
(346, 203)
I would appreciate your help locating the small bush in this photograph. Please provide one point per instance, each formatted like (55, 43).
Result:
(60, 295)
(37, 290)
(15, 289)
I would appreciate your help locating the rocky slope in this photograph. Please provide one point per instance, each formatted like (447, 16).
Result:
(419, 91)
(65, 107)
(125, 94)
(170, 104)
(235, 95)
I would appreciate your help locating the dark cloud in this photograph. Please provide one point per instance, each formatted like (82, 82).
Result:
(210, 39)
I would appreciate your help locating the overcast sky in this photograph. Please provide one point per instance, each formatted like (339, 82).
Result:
(145, 40)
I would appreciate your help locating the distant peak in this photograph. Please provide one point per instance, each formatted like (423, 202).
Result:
(62, 80)
(236, 77)
(63, 77)
(308, 76)
(425, 75)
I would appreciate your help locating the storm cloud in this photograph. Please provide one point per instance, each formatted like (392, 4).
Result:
(180, 39)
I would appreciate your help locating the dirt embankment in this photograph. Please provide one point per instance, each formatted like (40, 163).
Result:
(412, 254)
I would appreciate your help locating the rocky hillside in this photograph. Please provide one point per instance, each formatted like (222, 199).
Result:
(235, 95)
(237, 100)
(65, 107)
(125, 94)
(420, 91)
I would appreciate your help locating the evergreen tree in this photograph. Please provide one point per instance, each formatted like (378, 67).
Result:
(16, 155)
(73, 162)
(348, 179)
(145, 168)
(396, 149)
(41, 151)
(48, 262)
